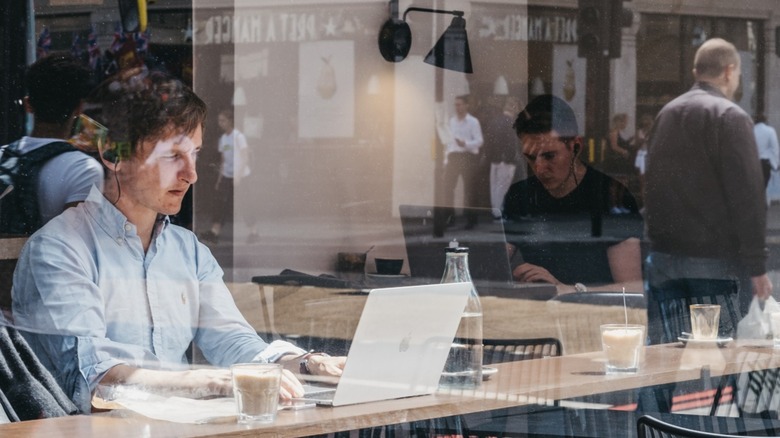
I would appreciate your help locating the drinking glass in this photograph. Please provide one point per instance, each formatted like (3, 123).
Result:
(622, 344)
(704, 321)
(256, 390)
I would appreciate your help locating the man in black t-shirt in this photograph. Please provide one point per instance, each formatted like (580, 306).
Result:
(552, 210)
(530, 197)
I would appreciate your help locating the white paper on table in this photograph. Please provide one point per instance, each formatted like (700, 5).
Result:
(180, 409)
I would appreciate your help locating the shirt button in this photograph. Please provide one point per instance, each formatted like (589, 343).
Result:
(128, 227)
(119, 240)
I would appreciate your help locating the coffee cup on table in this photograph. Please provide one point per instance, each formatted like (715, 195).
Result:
(622, 344)
(351, 266)
(388, 266)
(705, 319)
(256, 390)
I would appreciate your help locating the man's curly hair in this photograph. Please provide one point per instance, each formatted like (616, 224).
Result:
(138, 106)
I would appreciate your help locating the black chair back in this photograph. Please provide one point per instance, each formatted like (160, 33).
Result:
(668, 305)
(756, 389)
(508, 350)
(633, 300)
(651, 427)
(578, 326)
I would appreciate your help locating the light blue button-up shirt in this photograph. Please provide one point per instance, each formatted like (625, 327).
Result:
(91, 299)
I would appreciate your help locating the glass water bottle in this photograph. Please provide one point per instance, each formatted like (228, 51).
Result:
(463, 368)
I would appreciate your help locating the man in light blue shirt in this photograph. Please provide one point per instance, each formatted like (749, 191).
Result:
(768, 147)
(112, 293)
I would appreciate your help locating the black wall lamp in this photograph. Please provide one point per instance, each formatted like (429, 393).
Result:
(451, 52)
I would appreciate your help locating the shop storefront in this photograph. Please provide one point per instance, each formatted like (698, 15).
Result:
(666, 45)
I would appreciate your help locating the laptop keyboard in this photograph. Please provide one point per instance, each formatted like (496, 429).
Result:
(318, 392)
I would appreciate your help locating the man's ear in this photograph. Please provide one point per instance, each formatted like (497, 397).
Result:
(728, 72)
(576, 146)
(110, 165)
(110, 159)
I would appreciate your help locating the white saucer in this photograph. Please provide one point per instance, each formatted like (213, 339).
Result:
(720, 342)
(487, 372)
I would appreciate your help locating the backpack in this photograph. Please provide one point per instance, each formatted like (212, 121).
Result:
(19, 213)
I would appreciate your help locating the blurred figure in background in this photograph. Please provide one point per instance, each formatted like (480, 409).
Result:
(233, 168)
(768, 148)
(461, 160)
(56, 87)
(501, 150)
(640, 143)
(619, 159)
(705, 202)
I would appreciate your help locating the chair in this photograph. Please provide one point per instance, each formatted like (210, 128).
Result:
(578, 328)
(668, 310)
(669, 315)
(651, 427)
(508, 350)
(756, 390)
(28, 391)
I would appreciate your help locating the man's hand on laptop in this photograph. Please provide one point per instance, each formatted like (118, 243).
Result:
(291, 387)
(314, 364)
(529, 273)
(320, 365)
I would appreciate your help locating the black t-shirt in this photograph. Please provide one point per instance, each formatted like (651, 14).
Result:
(557, 233)
(593, 194)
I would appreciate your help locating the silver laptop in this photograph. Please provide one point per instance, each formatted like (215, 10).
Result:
(400, 344)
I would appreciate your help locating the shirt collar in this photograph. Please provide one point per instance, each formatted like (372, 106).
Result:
(111, 219)
(709, 88)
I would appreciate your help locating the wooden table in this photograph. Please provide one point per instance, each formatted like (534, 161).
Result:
(515, 384)
(334, 313)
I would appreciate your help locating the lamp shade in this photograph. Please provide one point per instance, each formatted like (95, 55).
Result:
(452, 50)
(501, 87)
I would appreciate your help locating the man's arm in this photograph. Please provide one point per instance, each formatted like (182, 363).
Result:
(625, 263)
(762, 286)
(196, 383)
(739, 171)
(242, 158)
(774, 146)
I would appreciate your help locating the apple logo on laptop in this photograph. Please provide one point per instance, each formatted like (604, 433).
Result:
(404, 345)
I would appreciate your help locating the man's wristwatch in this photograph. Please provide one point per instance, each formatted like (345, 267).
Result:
(304, 361)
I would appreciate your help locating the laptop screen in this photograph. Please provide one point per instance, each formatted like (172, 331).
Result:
(401, 342)
(426, 242)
